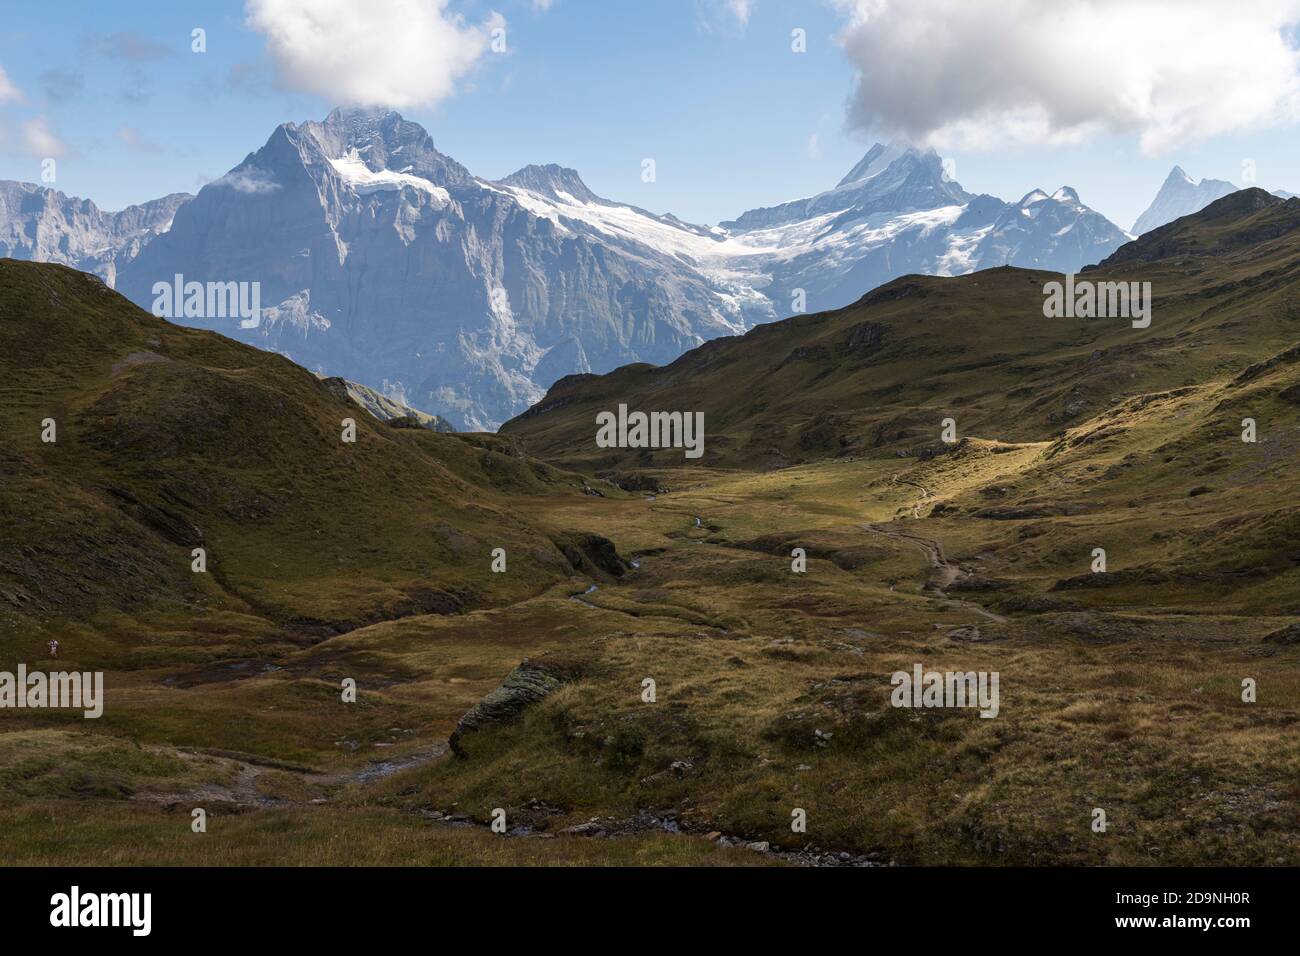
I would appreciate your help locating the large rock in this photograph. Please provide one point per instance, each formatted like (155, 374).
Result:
(526, 685)
(384, 408)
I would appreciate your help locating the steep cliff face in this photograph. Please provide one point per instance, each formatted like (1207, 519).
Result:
(44, 225)
(383, 260)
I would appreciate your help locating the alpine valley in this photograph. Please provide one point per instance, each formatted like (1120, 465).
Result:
(633, 656)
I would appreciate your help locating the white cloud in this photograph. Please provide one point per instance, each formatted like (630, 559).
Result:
(8, 92)
(249, 180)
(814, 147)
(959, 74)
(40, 140)
(740, 9)
(399, 53)
(723, 15)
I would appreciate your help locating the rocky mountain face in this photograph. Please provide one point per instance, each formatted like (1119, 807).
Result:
(379, 259)
(382, 260)
(1180, 196)
(44, 225)
(876, 379)
(897, 212)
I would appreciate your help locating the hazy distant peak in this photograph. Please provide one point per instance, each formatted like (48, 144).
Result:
(1179, 196)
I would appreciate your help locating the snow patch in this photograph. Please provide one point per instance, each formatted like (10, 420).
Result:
(363, 180)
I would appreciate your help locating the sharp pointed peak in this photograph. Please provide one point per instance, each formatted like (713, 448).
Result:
(880, 157)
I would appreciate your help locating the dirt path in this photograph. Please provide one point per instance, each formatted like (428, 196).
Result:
(927, 494)
(246, 771)
(945, 573)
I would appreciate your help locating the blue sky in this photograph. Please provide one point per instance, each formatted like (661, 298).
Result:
(709, 88)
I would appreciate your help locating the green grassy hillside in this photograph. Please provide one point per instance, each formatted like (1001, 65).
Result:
(526, 692)
(879, 377)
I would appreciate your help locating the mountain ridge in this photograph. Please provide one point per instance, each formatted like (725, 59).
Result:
(856, 381)
(384, 261)
(43, 224)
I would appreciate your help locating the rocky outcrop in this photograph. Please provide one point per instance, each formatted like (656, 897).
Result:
(384, 408)
(1287, 635)
(591, 554)
(526, 685)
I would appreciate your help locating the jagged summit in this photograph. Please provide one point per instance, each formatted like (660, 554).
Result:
(365, 124)
(1065, 194)
(366, 140)
(1179, 196)
(361, 116)
(358, 126)
(552, 180)
(878, 159)
(45, 225)
(889, 178)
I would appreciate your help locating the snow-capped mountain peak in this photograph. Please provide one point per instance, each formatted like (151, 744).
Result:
(889, 178)
(876, 161)
(1179, 196)
(553, 181)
